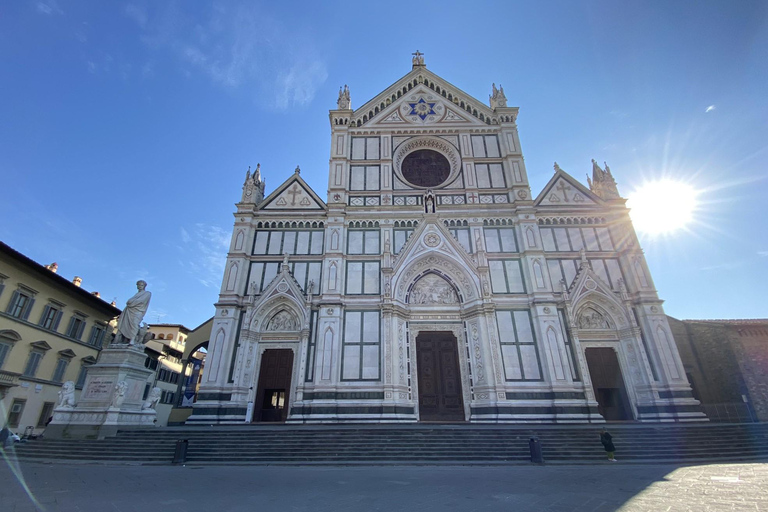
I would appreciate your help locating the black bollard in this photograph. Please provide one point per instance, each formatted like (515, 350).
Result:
(535, 446)
(180, 454)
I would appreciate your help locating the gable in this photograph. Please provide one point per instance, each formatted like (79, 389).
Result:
(294, 194)
(451, 105)
(423, 106)
(564, 190)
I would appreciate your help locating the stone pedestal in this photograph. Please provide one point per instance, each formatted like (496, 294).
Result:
(105, 404)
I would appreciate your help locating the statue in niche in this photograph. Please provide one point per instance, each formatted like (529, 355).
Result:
(151, 402)
(591, 319)
(432, 289)
(283, 321)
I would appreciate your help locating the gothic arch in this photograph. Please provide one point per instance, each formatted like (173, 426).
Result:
(432, 287)
(264, 313)
(452, 270)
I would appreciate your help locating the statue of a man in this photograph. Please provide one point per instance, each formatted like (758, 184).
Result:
(129, 321)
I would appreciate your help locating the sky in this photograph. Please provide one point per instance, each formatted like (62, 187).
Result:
(126, 128)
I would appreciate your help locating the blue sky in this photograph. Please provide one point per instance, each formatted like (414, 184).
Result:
(127, 127)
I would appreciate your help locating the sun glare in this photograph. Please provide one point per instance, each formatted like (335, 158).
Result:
(662, 207)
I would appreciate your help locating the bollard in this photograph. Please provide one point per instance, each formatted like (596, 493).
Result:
(535, 446)
(180, 454)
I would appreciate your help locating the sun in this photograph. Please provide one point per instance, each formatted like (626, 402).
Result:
(662, 207)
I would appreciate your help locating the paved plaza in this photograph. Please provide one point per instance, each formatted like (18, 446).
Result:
(602, 487)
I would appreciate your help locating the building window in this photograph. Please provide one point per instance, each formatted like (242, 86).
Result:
(76, 327)
(500, 239)
(97, 335)
(485, 146)
(14, 415)
(263, 272)
(363, 278)
(364, 177)
(61, 369)
(462, 235)
(361, 347)
(506, 276)
(363, 241)
(291, 242)
(45, 413)
(20, 305)
(5, 349)
(575, 239)
(490, 176)
(51, 317)
(81, 376)
(32, 363)
(401, 236)
(365, 148)
(607, 269)
(518, 345)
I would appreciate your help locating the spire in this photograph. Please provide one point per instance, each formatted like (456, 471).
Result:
(253, 188)
(343, 102)
(418, 59)
(557, 167)
(602, 182)
(498, 99)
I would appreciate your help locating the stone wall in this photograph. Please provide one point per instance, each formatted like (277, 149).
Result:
(726, 360)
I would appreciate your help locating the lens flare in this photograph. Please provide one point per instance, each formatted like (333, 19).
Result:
(662, 207)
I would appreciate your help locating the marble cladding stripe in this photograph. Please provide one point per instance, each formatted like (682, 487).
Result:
(533, 410)
(547, 395)
(358, 395)
(341, 410)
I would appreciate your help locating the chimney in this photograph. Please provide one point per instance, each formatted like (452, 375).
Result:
(96, 294)
(53, 267)
(77, 281)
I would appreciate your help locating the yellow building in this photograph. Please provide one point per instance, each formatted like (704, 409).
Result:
(51, 330)
(164, 355)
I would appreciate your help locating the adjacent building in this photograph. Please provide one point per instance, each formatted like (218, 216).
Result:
(51, 330)
(433, 284)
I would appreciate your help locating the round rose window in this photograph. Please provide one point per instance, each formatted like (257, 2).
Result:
(425, 168)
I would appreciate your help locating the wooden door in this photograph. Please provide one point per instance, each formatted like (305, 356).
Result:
(608, 384)
(440, 397)
(271, 403)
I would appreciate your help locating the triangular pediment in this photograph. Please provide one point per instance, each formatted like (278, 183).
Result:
(407, 103)
(564, 190)
(67, 352)
(433, 236)
(281, 306)
(293, 194)
(422, 106)
(595, 304)
(41, 345)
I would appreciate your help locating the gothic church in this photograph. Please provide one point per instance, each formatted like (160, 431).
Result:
(432, 285)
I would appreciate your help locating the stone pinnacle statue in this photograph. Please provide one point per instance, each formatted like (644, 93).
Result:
(129, 321)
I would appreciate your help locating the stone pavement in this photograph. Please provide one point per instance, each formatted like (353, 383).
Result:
(601, 487)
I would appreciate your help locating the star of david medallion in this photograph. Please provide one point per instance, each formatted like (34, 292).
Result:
(422, 109)
(432, 240)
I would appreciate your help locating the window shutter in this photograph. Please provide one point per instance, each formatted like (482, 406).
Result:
(25, 313)
(2, 287)
(56, 320)
(69, 327)
(80, 330)
(44, 315)
(100, 339)
(12, 303)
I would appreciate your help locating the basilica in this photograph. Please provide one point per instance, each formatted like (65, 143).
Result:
(432, 284)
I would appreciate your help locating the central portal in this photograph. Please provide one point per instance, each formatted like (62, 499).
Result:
(271, 404)
(440, 397)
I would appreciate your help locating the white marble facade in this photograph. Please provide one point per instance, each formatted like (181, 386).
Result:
(430, 225)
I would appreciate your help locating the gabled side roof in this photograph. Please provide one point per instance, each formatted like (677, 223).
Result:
(293, 194)
(564, 190)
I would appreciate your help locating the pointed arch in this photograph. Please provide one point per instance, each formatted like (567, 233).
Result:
(326, 354)
(239, 240)
(452, 269)
(232, 277)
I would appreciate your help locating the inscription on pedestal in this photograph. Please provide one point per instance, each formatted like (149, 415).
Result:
(98, 389)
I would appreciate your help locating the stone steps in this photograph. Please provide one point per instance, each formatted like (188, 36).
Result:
(413, 444)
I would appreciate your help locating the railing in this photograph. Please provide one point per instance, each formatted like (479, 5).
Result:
(8, 379)
(734, 412)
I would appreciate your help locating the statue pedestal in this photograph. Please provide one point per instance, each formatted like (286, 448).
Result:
(102, 408)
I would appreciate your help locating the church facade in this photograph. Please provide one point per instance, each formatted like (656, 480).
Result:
(432, 285)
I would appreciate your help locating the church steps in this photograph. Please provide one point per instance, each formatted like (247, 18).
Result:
(411, 445)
